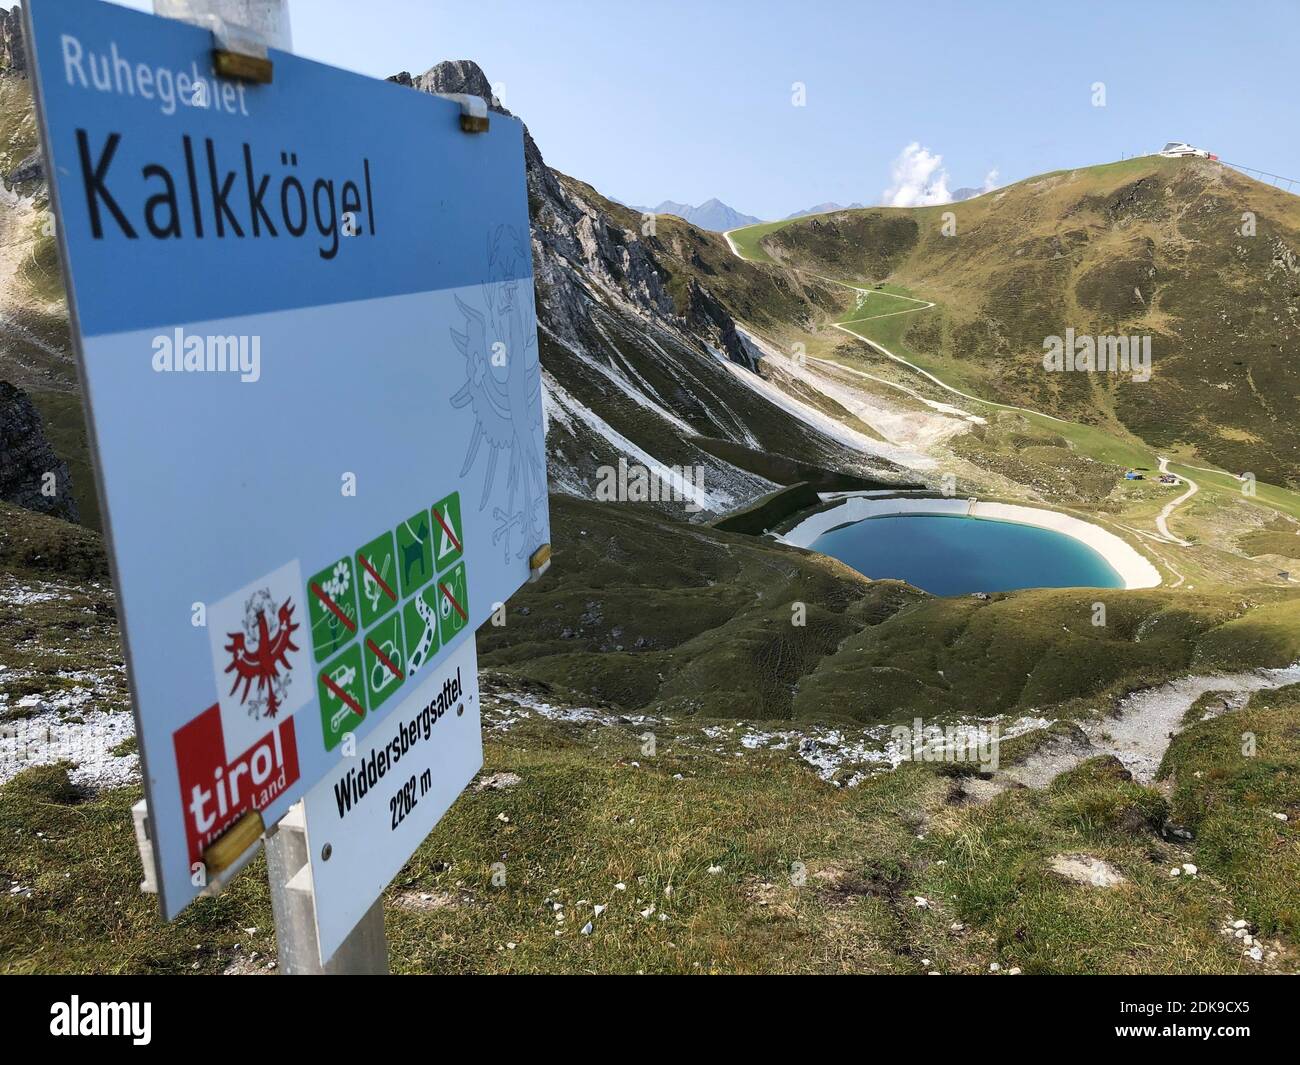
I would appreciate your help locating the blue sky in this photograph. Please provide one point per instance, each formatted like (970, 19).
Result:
(690, 100)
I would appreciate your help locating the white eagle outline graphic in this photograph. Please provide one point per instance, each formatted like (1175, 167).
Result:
(503, 385)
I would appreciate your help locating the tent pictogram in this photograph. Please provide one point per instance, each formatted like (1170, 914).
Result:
(448, 537)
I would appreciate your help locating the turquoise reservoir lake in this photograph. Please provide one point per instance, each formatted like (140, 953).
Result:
(953, 555)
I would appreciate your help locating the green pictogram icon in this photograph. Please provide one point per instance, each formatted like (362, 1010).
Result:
(453, 602)
(377, 576)
(420, 626)
(332, 607)
(448, 539)
(385, 660)
(414, 552)
(342, 696)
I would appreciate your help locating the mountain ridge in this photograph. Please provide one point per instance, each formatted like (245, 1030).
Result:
(712, 214)
(1148, 246)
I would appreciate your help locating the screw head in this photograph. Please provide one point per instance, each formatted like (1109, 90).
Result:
(325, 852)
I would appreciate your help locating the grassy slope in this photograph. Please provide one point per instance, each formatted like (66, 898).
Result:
(1144, 246)
(911, 337)
(650, 615)
(1230, 799)
(711, 613)
(641, 612)
(810, 878)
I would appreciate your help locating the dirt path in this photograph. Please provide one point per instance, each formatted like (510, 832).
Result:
(1169, 508)
(1144, 724)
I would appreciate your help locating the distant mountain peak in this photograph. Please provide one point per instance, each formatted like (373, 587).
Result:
(712, 214)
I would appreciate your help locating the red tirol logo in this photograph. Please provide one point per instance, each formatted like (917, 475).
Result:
(216, 793)
(261, 651)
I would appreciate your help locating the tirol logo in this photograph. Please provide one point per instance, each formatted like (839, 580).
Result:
(257, 648)
(216, 789)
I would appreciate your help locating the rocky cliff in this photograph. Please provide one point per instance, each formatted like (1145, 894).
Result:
(641, 353)
(31, 474)
(13, 56)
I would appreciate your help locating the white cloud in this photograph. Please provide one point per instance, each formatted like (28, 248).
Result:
(919, 179)
(990, 180)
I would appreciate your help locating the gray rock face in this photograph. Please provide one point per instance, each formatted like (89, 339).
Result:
(32, 168)
(633, 353)
(577, 247)
(26, 457)
(13, 56)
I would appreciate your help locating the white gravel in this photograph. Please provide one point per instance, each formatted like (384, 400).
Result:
(85, 740)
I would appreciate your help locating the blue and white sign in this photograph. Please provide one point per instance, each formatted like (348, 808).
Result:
(305, 323)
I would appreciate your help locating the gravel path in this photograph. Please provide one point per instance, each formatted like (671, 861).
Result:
(1146, 721)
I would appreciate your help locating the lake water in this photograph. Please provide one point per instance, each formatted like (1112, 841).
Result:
(953, 555)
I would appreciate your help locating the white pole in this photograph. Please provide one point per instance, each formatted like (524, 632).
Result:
(263, 21)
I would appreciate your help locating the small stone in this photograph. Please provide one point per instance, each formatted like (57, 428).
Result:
(1256, 954)
(503, 818)
(922, 903)
(925, 963)
(1189, 869)
(1175, 872)
(995, 967)
(1281, 817)
(598, 909)
(1013, 972)
(1238, 924)
(715, 869)
(586, 929)
(620, 886)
